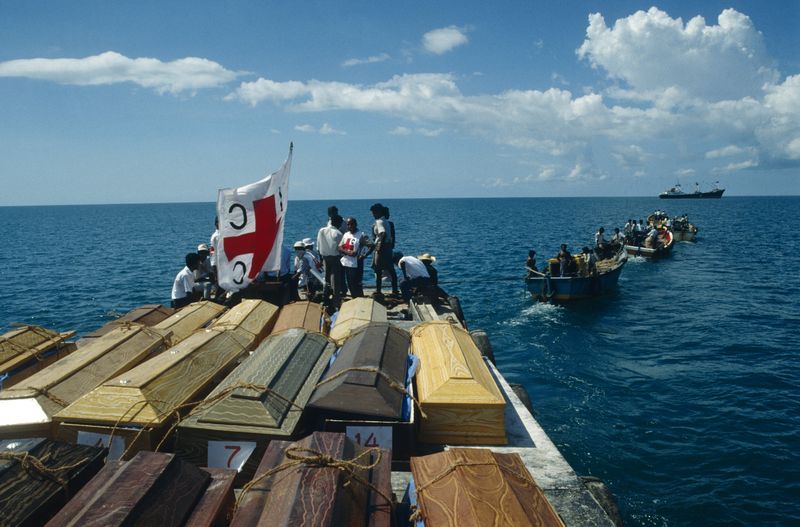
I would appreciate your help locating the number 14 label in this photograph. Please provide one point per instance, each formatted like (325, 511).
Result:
(371, 436)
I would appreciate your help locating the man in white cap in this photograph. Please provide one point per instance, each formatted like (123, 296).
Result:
(309, 243)
(204, 274)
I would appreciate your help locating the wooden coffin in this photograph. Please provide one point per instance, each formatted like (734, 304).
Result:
(458, 394)
(354, 314)
(152, 489)
(189, 319)
(255, 318)
(28, 349)
(309, 494)
(148, 315)
(152, 395)
(234, 431)
(27, 408)
(307, 315)
(473, 487)
(29, 497)
(365, 394)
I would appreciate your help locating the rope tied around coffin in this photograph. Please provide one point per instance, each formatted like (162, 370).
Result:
(371, 369)
(417, 515)
(147, 330)
(47, 393)
(309, 458)
(33, 464)
(38, 330)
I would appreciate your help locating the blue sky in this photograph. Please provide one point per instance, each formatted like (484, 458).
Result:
(114, 102)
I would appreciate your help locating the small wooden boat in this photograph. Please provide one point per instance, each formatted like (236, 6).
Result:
(550, 287)
(664, 247)
(682, 229)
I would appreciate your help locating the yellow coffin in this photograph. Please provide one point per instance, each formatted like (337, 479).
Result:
(250, 317)
(26, 408)
(354, 314)
(458, 394)
(189, 319)
(28, 349)
(151, 395)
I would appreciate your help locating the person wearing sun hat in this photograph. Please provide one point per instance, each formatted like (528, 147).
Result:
(429, 260)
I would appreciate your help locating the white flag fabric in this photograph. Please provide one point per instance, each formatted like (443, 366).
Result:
(251, 228)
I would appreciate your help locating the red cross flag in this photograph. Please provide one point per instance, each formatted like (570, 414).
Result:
(251, 228)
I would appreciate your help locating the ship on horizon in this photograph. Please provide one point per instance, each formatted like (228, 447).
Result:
(677, 192)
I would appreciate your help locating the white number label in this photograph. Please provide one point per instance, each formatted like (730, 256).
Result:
(101, 440)
(371, 436)
(229, 454)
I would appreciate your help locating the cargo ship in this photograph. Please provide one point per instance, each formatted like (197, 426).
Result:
(677, 192)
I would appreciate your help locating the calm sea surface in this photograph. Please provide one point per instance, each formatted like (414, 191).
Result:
(681, 391)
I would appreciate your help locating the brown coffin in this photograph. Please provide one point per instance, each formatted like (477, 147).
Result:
(27, 408)
(308, 494)
(152, 395)
(306, 315)
(28, 349)
(356, 394)
(473, 487)
(354, 314)
(30, 498)
(224, 431)
(148, 315)
(152, 489)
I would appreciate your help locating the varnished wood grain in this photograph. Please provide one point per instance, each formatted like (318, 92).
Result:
(147, 315)
(216, 504)
(251, 318)
(455, 388)
(354, 314)
(316, 496)
(189, 319)
(306, 315)
(28, 498)
(465, 487)
(29, 349)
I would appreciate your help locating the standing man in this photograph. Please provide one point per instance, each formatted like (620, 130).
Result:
(182, 294)
(350, 247)
(383, 245)
(328, 239)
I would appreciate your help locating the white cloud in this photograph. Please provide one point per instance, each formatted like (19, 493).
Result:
(187, 74)
(427, 132)
(728, 151)
(369, 60)
(400, 130)
(306, 128)
(325, 129)
(652, 52)
(440, 41)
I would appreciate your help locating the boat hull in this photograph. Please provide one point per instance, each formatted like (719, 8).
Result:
(712, 194)
(566, 289)
(684, 236)
(647, 252)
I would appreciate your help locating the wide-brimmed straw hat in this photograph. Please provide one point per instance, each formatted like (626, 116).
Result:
(308, 242)
(428, 257)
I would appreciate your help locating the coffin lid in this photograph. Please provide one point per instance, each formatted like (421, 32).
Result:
(189, 319)
(74, 375)
(452, 370)
(355, 393)
(23, 343)
(454, 485)
(306, 315)
(251, 317)
(317, 496)
(150, 392)
(148, 315)
(354, 314)
(289, 363)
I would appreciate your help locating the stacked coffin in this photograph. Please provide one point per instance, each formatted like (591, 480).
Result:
(35, 487)
(27, 349)
(456, 390)
(27, 408)
(363, 390)
(323, 480)
(189, 319)
(354, 314)
(146, 315)
(307, 315)
(261, 400)
(473, 487)
(140, 405)
(151, 489)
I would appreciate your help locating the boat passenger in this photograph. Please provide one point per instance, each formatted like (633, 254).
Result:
(203, 275)
(183, 285)
(383, 246)
(590, 260)
(415, 274)
(565, 260)
(212, 247)
(429, 260)
(328, 239)
(599, 238)
(530, 263)
(302, 277)
(350, 247)
(652, 238)
(309, 244)
(618, 239)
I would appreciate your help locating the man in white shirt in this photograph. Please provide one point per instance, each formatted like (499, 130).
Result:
(350, 247)
(415, 274)
(328, 239)
(182, 293)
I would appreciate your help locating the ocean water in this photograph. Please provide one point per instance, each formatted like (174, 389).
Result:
(681, 390)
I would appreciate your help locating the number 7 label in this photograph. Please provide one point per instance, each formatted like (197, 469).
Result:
(229, 454)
